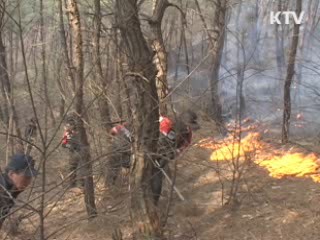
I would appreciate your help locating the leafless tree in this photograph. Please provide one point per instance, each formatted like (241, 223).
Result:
(216, 37)
(75, 24)
(290, 75)
(6, 88)
(144, 109)
(102, 80)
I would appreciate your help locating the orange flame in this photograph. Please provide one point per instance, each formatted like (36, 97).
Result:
(293, 164)
(279, 163)
(231, 148)
(235, 150)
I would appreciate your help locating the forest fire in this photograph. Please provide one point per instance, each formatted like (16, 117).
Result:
(292, 164)
(232, 148)
(278, 162)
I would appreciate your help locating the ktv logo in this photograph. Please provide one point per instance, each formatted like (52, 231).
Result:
(289, 16)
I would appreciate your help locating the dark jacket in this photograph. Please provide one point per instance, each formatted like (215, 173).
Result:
(7, 196)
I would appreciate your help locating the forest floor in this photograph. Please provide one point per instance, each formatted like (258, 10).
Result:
(267, 208)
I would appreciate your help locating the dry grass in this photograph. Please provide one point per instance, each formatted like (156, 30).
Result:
(269, 208)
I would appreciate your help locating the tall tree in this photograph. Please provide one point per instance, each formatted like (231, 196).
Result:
(6, 85)
(118, 74)
(78, 65)
(290, 75)
(160, 57)
(279, 37)
(145, 114)
(216, 38)
(65, 53)
(304, 45)
(217, 49)
(102, 81)
(160, 54)
(241, 61)
(47, 105)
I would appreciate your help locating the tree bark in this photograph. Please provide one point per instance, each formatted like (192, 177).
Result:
(145, 122)
(241, 106)
(216, 47)
(74, 17)
(240, 67)
(118, 75)
(6, 84)
(47, 97)
(103, 102)
(160, 54)
(5, 108)
(303, 47)
(279, 44)
(290, 75)
(47, 105)
(66, 58)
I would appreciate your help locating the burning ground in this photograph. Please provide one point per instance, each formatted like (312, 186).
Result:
(278, 161)
(278, 193)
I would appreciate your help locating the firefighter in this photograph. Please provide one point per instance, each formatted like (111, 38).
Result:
(179, 131)
(71, 141)
(175, 137)
(16, 178)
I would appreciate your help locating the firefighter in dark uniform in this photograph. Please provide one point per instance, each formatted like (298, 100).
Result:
(16, 178)
(71, 141)
(175, 137)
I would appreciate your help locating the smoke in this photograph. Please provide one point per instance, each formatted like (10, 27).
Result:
(254, 43)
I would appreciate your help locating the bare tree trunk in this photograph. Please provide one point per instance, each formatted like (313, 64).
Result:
(185, 45)
(103, 102)
(216, 47)
(67, 59)
(6, 85)
(96, 37)
(16, 53)
(160, 57)
(240, 78)
(256, 35)
(145, 113)
(62, 107)
(240, 67)
(171, 33)
(5, 108)
(279, 44)
(6, 88)
(303, 46)
(186, 53)
(10, 146)
(290, 74)
(1, 114)
(118, 75)
(75, 24)
(177, 69)
(11, 52)
(63, 96)
(47, 105)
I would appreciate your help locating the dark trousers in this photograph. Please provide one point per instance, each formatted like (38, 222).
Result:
(76, 169)
(156, 184)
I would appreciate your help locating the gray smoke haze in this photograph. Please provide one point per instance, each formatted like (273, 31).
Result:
(263, 85)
